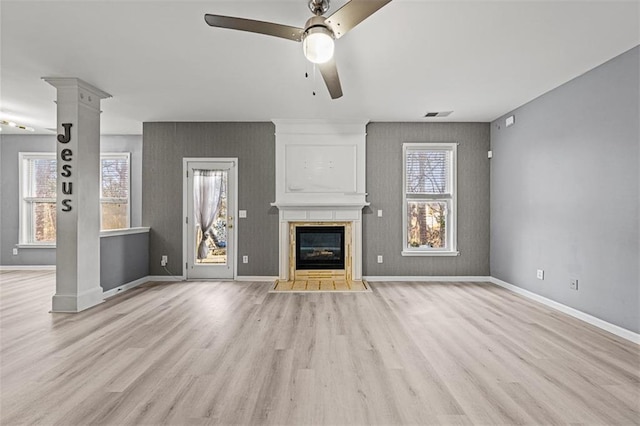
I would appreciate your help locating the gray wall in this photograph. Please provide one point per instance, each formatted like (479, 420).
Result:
(565, 193)
(383, 235)
(123, 259)
(10, 146)
(166, 144)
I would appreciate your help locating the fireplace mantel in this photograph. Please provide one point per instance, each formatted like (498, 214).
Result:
(320, 177)
(320, 205)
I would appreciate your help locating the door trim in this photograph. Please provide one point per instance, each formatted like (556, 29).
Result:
(185, 198)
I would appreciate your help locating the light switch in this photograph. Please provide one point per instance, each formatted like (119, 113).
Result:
(242, 214)
(379, 213)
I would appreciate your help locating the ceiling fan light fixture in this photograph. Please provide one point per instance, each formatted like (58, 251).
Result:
(317, 45)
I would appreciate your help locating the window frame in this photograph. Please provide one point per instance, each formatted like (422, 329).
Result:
(114, 155)
(450, 198)
(25, 221)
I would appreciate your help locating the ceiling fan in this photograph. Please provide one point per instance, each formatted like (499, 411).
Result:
(317, 36)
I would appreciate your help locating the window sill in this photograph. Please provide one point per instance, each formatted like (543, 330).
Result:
(35, 246)
(429, 253)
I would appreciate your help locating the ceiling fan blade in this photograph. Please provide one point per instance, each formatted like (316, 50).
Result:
(260, 27)
(351, 14)
(329, 72)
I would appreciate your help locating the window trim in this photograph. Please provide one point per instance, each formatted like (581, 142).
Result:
(24, 229)
(451, 199)
(107, 155)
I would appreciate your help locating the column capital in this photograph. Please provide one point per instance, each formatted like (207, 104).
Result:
(73, 91)
(73, 82)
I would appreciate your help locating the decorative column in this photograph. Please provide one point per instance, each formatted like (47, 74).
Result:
(78, 195)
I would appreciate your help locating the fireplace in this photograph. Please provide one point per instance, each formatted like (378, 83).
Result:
(321, 183)
(319, 247)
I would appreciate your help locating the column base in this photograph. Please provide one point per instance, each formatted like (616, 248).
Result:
(73, 303)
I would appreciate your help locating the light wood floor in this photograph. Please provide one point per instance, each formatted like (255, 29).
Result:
(232, 353)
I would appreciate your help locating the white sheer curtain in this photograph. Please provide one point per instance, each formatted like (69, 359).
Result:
(208, 186)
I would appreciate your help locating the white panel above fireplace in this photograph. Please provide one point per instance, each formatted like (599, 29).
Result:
(320, 168)
(320, 163)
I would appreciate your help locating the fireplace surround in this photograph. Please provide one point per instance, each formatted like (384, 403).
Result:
(320, 182)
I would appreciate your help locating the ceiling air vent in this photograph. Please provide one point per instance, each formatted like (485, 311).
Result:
(437, 114)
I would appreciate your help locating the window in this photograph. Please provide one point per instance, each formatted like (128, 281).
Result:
(114, 191)
(38, 177)
(429, 199)
(38, 187)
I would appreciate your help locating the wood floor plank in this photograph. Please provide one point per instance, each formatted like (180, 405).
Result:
(218, 353)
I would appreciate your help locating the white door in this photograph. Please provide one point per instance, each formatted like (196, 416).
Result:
(210, 218)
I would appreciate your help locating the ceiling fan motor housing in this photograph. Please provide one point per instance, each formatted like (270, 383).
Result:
(315, 24)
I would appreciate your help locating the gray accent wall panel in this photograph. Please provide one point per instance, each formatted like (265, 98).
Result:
(166, 144)
(383, 235)
(565, 193)
(10, 147)
(123, 259)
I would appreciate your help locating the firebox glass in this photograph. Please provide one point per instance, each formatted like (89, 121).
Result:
(320, 247)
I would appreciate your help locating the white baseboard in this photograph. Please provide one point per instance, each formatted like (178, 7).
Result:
(128, 286)
(257, 278)
(27, 267)
(604, 325)
(165, 278)
(427, 278)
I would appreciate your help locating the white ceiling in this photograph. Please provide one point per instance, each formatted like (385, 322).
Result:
(161, 62)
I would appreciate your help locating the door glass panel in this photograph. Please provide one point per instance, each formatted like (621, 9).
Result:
(210, 216)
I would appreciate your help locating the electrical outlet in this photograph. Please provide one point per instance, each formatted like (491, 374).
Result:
(242, 214)
(540, 274)
(15, 251)
(379, 258)
(245, 259)
(379, 213)
(165, 260)
(573, 284)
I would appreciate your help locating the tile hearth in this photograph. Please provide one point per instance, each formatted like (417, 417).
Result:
(326, 285)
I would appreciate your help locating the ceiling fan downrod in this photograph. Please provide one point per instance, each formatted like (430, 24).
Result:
(318, 7)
